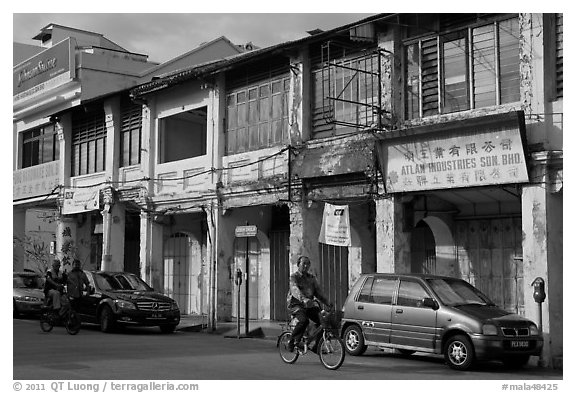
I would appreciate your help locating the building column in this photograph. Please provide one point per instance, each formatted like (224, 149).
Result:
(19, 238)
(151, 258)
(392, 243)
(66, 241)
(542, 228)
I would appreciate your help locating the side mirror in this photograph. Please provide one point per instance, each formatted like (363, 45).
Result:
(428, 302)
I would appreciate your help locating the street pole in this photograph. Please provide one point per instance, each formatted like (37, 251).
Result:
(246, 311)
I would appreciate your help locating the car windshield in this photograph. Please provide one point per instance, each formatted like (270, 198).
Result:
(28, 281)
(455, 292)
(120, 282)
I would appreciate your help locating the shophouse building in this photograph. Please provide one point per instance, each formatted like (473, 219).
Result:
(439, 135)
(77, 147)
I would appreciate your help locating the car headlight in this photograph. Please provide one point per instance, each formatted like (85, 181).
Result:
(27, 299)
(489, 330)
(125, 304)
(534, 331)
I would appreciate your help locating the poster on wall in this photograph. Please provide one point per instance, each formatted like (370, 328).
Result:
(81, 200)
(335, 229)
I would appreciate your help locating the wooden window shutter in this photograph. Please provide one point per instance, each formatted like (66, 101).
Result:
(559, 55)
(430, 77)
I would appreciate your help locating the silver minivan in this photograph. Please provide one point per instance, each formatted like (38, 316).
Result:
(435, 314)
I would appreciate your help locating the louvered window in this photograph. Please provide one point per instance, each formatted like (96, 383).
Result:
(559, 55)
(40, 146)
(257, 115)
(474, 67)
(88, 143)
(131, 134)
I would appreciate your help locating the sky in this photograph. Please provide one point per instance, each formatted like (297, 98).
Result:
(163, 36)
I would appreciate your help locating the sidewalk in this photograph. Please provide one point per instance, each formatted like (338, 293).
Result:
(263, 329)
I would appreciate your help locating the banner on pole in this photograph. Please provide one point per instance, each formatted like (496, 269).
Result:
(335, 229)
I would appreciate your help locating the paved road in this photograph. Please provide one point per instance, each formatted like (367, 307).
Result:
(146, 354)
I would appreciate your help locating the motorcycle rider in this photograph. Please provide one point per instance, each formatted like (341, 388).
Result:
(303, 289)
(54, 285)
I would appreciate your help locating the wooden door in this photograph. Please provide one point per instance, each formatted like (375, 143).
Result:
(334, 273)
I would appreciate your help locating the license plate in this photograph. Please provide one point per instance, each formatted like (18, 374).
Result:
(519, 344)
(156, 315)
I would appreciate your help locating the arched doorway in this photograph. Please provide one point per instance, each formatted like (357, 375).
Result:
(423, 249)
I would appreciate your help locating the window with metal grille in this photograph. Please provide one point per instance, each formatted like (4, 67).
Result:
(131, 134)
(474, 67)
(40, 146)
(257, 115)
(559, 55)
(345, 94)
(88, 143)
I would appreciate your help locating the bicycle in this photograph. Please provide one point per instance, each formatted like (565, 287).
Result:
(322, 339)
(50, 317)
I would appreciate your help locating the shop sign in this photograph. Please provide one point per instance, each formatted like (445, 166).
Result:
(335, 228)
(489, 157)
(44, 72)
(35, 181)
(80, 200)
(246, 231)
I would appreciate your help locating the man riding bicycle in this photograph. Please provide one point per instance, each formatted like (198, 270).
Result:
(303, 289)
(54, 285)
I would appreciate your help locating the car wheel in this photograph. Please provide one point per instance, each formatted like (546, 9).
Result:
(516, 361)
(459, 353)
(107, 320)
(354, 340)
(167, 328)
(406, 352)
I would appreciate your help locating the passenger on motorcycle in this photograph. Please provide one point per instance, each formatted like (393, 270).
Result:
(54, 285)
(76, 282)
(303, 289)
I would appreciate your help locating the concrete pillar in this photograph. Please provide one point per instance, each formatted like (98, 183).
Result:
(117, 237)
(542, 257)
(151, 258)
(392, 243)
(66, 238)
(299, 98)
(112, 119)
(19, 238)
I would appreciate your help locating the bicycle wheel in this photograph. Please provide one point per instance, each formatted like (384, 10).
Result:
(331, 351)
(285, 354)
(46, 323)
(72, 323)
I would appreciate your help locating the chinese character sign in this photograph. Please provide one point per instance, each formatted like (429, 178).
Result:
(478, 159)
(335, 229)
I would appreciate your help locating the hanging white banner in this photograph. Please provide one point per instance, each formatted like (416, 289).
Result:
(335, 229)
(81, 200)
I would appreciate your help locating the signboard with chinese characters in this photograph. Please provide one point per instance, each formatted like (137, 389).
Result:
(35, 181)
(43, 72)
(335, 228)
(458, 159)
(79, 200)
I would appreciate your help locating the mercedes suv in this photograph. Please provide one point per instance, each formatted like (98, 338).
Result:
(434, 314)
(122, 298)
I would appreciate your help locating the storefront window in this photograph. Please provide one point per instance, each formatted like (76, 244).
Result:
(88, 143)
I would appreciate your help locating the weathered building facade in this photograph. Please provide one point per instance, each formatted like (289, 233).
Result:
(446, 147)
(441, 135)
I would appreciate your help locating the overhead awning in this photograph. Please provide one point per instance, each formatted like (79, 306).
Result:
(481, 151)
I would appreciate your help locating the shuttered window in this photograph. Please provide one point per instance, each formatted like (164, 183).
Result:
(257, 115)
(88, 143)
(131, 134)
(473, 67)
(559, 55)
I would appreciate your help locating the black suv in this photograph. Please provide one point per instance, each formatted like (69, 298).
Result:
(122, 298)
